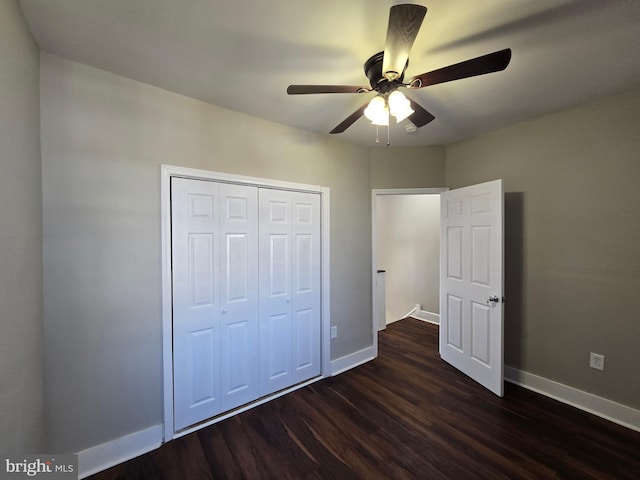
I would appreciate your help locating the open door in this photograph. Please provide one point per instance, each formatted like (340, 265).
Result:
(471, 282)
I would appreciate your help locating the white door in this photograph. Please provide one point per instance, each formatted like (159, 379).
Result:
(239, 322)
(471, 282)
(289, 288)
(275, 290)
(306, 285)
(215, 298)
(196, 302)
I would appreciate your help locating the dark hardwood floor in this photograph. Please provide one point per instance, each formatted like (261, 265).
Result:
(405, 415)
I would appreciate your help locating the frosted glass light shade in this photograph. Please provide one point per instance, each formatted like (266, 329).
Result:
(399, 105)
(377, 111)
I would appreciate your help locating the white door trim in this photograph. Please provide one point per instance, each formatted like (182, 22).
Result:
(374, 271)
(168, 171)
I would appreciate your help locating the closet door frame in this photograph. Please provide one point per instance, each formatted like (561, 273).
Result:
(169, 171)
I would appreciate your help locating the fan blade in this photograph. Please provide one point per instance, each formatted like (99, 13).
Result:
(305, 89)
(420, 117)
(404, 24)
(492, 62)
(350, 120)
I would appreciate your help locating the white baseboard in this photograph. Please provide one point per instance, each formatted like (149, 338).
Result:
(602, 407)
(426, 316)
(106, 455)
(342, 364)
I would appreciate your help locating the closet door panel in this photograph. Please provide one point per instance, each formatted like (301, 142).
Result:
(306, 285)
(275, 290)
(196, 306)
(239, 342)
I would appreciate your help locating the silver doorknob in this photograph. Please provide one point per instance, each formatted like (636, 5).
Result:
(493, 299)
(224, 310)
(288, 300)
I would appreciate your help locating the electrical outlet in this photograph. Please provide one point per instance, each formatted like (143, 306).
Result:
(334, 331)
(596, 361)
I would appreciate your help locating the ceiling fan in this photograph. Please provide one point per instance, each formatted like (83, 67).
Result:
(385, 71)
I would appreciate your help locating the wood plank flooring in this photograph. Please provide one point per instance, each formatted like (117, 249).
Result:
(405, 415)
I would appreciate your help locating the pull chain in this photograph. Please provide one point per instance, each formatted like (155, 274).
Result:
(378, 135)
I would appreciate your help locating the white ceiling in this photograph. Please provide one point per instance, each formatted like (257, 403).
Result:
(242, 55)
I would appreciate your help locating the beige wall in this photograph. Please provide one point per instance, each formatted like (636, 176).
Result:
(407, 167)
(572, 241)
(21, 420)
(104, 138)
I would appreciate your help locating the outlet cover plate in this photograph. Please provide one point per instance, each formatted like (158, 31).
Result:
(596, 361)
(334, 331)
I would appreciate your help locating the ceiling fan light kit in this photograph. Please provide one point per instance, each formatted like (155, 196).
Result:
(377, 111)
(399, 105)
(386, 70)
(381, 106)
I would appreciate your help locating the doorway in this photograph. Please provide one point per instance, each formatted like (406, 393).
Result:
(405, 246)
(471, 279)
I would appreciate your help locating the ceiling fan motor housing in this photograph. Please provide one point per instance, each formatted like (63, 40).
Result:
(373, 70)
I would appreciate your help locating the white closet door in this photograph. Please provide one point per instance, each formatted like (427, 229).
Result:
(196, 305)
(239, 326)
(289, 288)
(214, 234)
(275, 291)
(246, 294)
(306, 280)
